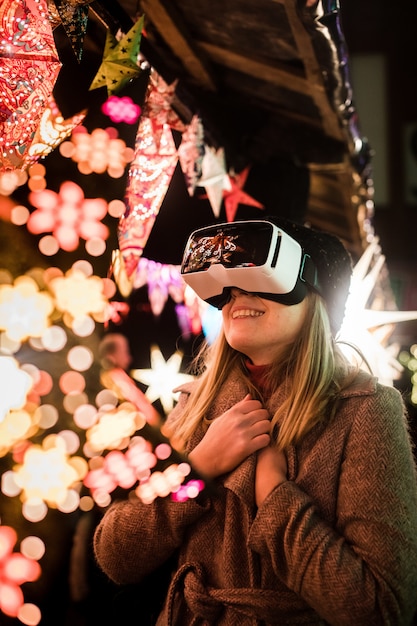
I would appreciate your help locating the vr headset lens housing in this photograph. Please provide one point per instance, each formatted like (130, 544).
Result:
(255, 256)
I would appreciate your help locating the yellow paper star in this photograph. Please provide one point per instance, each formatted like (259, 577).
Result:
(119, 64)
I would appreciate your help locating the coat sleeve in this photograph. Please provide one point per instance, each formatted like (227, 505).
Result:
(133, 539)
(363, 569)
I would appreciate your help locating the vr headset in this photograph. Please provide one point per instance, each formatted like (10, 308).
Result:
(255, 256)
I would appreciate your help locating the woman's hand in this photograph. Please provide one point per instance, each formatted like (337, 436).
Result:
(271, 471)
(231, 438)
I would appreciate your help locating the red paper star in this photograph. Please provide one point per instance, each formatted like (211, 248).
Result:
(235, 195)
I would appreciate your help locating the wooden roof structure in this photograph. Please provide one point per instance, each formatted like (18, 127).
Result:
(270, 81)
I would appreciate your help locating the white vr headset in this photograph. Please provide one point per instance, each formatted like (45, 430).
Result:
(256, 256)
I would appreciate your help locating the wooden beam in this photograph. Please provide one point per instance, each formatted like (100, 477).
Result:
(331, 122)
(172, 29)
(268, 73)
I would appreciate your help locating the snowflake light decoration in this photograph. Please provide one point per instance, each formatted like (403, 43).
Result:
(68, 215)
(24, 310)
(114, 427)
(101, 152)
(80, 295)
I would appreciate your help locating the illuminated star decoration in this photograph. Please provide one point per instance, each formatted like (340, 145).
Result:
(162, 377)
(120, 60)
(214, 177)
(158, 105)
(370, 329)
(149, 177)
(51, 131)
(74, 19)
(29, 68)
(191, 153)
(235, 195)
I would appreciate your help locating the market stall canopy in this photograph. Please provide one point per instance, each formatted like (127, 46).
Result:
(271, 83)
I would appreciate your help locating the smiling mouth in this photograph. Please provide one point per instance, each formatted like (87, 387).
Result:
(246, 313)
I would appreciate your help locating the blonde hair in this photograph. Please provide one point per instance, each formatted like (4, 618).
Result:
(314, 369)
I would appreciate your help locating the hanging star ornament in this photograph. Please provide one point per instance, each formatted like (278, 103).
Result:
(74, 18)
(162, 377)
(214, 177)
(191, 153)
(29, 67)
(149, 177)
(120, 60)
(368, 328)
(235, 195)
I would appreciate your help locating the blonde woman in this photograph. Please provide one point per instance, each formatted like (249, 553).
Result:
(312, 513)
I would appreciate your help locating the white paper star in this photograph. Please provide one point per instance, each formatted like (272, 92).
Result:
(370, 329)
(162, 377)
(214, 177)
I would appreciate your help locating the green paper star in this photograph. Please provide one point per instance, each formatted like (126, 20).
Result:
(119, 64)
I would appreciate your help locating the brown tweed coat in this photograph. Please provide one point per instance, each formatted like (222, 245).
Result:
(335, 544)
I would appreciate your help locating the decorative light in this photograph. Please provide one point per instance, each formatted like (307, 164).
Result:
(48, 474)
(15, 570)
(16, 385)
(409, 361)
(121, 469)
(149, 177)
(368, 328)
(51, 132)
(114, 427)
(24, 310)
(102, 151)
(121, 109)
(169, 481)
(162, 377)
(79, 295)
(163, 280)
(11, 180)
(68, 215)
(22, 415)
(30, 60)
(120, 59)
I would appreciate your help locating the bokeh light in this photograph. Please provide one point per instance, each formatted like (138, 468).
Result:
(24, 310)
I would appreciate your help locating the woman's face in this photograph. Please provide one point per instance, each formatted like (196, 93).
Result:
(259, 328)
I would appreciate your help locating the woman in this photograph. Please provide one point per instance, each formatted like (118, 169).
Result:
(312, 514)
